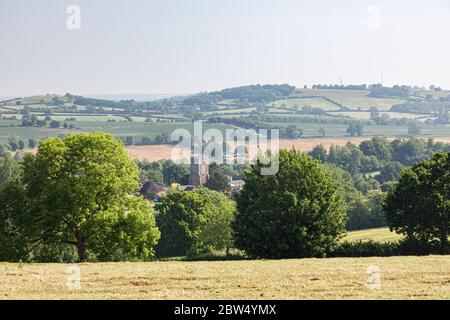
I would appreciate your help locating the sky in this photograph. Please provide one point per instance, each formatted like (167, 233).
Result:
(189, 46)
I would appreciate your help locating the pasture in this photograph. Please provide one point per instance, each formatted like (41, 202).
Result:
(378, 235)
(365, 115)
(118, 129)
(312, 102)
(352, 99)
(337, 278)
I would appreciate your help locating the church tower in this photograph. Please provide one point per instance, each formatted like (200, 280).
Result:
(199, 173)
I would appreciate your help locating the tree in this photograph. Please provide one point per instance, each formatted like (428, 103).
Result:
(411, 151)
(3, 150)
(13, 244)
(218, 181)
(81, 191)
(378, 147)
(414, 129)
(369, 164)
(9, 169)
(293, 132)
(319, 152)
(347, 157)
(32, 143)
(129, 140)
(322, 132)
(55, 124)
(390, 172)
(366, 213)
(151, 172)
(418, 206)
(297, 212)
(12, 142)
(194, 222)
(355, 129)
(173, 172)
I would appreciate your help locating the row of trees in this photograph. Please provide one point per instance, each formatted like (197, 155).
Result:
(14, 144)
(367, 170)
(79, 195)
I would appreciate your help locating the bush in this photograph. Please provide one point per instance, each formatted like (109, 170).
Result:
(366, 249)
(419, 248)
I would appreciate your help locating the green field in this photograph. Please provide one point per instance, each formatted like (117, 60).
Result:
(377, 235)
(117, 122)
(146, 129)
(365, 115)
(34, 99)
(313, 102)
(339, 130)
(352, 99)
(337, 278)
(118, 129)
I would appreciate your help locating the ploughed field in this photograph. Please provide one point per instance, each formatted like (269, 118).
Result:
(338, 278)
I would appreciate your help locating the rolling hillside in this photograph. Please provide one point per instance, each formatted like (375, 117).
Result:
(315, 113)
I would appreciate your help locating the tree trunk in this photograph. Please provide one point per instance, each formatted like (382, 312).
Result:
(444, 242)
(81, 247)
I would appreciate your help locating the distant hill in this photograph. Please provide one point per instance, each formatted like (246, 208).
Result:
(319, 112)
(131, 96)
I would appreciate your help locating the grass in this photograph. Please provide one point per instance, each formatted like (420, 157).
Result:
(337, 278)
(338, 130)
(365, 115)
(151, 129)
(313, 102)
(378, 235)
(118, 129)
(353, 99)
(35, 99)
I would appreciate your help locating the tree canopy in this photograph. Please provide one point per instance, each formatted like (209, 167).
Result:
(81, 190)
(194, 222)
(297, 212)
(419, 206)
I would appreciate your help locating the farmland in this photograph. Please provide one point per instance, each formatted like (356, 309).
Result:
(337, 278)
(353, 99)
(318, 113)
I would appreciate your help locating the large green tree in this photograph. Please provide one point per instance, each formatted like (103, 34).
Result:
(9, 169)
(81, 190)
(193, 222)
(298, 212)
(379, 147)
(14, 245)
(390, 172)
(419, 204)
(218, 181)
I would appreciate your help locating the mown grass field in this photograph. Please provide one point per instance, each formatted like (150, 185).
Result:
(352, 99)
(377, 235)
(313, 102)
(340, 278)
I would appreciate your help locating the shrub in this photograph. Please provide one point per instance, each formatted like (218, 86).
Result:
(366, 249)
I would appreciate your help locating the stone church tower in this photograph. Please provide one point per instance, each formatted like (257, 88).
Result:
(199, 173)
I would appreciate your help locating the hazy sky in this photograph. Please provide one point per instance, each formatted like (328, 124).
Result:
(186, 46)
